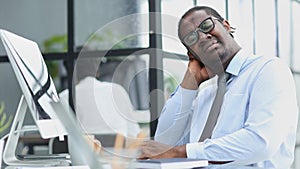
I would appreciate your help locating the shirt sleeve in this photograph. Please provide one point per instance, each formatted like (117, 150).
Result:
(269, 127)
(174, 120)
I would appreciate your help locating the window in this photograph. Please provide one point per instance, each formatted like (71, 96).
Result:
(170, 19)
(217, 4)
(119, 29)
(241, 18)
(265, 35)
(35, 20)
(294, 49)
(295, 37)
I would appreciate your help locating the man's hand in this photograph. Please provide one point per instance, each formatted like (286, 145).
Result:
(153, 150)
(195, 74)
(94, 143)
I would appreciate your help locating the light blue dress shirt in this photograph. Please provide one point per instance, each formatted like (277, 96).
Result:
(257, 122)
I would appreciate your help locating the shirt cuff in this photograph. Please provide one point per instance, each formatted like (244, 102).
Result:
(195, 150)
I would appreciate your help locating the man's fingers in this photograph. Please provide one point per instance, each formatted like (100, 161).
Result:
(152, 149)
(145, 153)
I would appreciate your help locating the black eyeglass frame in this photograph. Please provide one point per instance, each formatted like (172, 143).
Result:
(195, 32)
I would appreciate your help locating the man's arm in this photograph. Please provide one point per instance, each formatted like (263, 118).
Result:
(174, 121)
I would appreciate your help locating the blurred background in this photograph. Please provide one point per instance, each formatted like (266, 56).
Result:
(143, 54)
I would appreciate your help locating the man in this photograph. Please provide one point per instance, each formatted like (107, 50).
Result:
(257, 120)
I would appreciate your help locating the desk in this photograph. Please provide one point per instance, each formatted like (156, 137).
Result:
(64, 167)
(115, 162)
(109, 167)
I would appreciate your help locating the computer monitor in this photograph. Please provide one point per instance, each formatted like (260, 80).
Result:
(38, 93)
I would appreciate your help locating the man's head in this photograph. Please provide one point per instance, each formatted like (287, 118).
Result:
(207, 36)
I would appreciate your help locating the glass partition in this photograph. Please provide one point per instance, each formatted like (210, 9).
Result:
(170, 19)
(174, 71)
(120, 28)
(284, 30)
(295, 37)
(131, 72)
(219, 5)
(265, 27)
(41, 21)
(241, 18)
(95, 21)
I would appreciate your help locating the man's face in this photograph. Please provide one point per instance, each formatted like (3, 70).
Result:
(213, 48)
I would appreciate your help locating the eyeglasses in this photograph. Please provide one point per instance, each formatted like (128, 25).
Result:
(205, 26)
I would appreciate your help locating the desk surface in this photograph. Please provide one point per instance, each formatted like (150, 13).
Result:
(121, 163)
(118, 167)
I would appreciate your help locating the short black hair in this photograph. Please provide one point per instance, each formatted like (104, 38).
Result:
(208, 10)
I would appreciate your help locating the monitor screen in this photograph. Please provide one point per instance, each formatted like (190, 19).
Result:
(35, 82)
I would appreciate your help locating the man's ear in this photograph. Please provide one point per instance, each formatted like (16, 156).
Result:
(229, 28)
(227, 25)
(189, 54)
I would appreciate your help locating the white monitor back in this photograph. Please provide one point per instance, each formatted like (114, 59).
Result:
(40, 96)
(38, 93)
(36, 84)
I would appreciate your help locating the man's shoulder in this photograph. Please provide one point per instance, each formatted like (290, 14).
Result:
(262, 60)
(265, 58)
(268, 65)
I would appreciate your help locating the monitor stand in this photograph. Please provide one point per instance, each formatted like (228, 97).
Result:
(9, 155)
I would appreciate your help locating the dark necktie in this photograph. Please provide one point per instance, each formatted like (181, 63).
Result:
(216, 107)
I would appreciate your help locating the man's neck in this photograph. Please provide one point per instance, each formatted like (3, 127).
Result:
(225, 64)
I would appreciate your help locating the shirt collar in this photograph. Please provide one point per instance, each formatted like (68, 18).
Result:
(236, 63)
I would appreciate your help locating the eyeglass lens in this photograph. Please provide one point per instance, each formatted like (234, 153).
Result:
(205, 26)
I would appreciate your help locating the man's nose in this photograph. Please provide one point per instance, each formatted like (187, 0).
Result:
(204, 35)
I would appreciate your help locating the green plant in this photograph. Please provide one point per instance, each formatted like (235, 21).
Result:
(170, 84)
(5, 120)
(56, 43)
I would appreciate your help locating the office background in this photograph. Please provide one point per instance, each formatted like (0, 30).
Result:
(155, 57)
